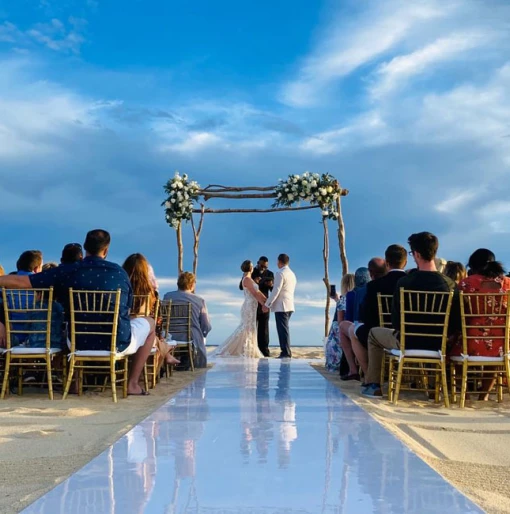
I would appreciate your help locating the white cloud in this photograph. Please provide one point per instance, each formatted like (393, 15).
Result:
(457, 200)
(195, 141)
(395, 74)
(346, 46)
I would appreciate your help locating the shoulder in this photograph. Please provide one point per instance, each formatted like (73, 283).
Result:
(506, 284)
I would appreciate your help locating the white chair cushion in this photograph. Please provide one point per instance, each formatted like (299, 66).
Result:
(96, 353)
(23, 350)
(153, 350)
(477, 358)
(181, 343)
(428, 354)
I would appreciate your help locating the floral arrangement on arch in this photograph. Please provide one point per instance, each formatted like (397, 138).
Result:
(322, 190)
(182, 193)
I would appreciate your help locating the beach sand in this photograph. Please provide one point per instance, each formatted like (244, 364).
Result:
(42, 442)
(470, 447)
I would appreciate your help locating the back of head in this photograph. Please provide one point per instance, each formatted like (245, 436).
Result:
(284, 259)
(377, 267)
(97, 241)
(361, 277)
(347, 283)
(424, 243)
(246, 266)
(49, 265)
(455, 270)
(29, 261)
(137, 269)
(396, 257)
(186, 281)
(71, 253)
(440, 264)
(483, 262)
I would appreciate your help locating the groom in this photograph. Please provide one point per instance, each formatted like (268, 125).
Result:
(281, 302)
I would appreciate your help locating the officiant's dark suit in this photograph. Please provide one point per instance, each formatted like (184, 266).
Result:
(265, 287)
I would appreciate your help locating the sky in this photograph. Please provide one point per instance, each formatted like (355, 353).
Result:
(406, 103)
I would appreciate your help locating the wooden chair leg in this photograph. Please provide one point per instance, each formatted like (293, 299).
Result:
(80, 381)
(499, 386)
(113, 380)
(399, 381)
(507, 369)
(7, 370)
(463, 387)
(50, 378)
(69, 380)
(125, 379)
(445, 385)
(391, 383)
(437, 385)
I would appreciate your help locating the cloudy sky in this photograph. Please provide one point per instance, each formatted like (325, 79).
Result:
(406, 103)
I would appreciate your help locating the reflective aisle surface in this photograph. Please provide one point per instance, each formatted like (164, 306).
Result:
(256, 437)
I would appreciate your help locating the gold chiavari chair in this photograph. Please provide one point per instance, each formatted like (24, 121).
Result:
(494, 309)
(96, 314)
(180, 328)
(165, 314)
(384, 302)
(27, 316)
(424, 315)
(142, 306)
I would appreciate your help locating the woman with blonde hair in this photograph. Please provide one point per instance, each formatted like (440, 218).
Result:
(333, 350)
(138, 269)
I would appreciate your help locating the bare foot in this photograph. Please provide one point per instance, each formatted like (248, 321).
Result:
(170, 359)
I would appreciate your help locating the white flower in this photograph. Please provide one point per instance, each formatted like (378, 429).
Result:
(173, 186)
(314, 183)
(325, 213)
(167, 205)
(323, 191)
(172, 200)
(295, 181)
(279, 195)
(179, 185)
(304, 183)
(290, 197)
(316, 193)
(186, 196)
(302, 194)
(330, 189)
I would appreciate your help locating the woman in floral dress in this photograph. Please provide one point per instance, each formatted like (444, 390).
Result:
(333, 350)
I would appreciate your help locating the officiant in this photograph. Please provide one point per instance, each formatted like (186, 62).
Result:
(265, 279)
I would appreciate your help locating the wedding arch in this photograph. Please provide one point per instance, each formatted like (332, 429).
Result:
(185, 198)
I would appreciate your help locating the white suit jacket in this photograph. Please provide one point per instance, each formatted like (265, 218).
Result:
(281, 298)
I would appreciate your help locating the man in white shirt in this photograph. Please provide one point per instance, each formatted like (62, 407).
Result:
(281, 302)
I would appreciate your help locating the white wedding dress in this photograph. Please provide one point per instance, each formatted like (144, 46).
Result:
(243, 342)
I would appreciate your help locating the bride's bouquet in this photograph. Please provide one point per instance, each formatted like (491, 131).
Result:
(182, 193)
(322, 190)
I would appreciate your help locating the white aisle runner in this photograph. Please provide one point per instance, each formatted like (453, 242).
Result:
(254, 437)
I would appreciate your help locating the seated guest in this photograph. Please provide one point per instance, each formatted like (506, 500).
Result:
(424, 247)
(455, 270)
(138, 269)
(29, 262)
(353, 301)
(95, 273)
(200, 324)
(440, 264)
(333, 350)
(488, 276)
(395, 262)
(49, 265)
(71, 253)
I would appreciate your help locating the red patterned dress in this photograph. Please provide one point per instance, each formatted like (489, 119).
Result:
(494, 346)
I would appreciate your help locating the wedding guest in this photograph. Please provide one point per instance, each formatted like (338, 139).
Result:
(333, 350)
(200, 324)
(455, 270)
(49, 265)
(95, 273)
(488, 276)
(71, 253)
(29, 262)
(395, 262)
(361, 278)
(440, 264)
(138, 270)
(424, 247)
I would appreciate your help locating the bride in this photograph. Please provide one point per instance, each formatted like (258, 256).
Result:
(243, 342)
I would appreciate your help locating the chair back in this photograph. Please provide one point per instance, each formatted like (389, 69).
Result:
(424, 317)
(165, 313)
(486, 318)
(27, 316)
(141, 304)
(180, 321)
(384, 302)
(94, 317)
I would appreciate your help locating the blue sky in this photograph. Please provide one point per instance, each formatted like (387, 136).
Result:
(406, 103)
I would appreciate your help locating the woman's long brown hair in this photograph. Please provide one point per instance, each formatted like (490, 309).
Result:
(137, 268)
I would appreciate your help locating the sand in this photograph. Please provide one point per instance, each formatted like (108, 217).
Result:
(470, 447)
